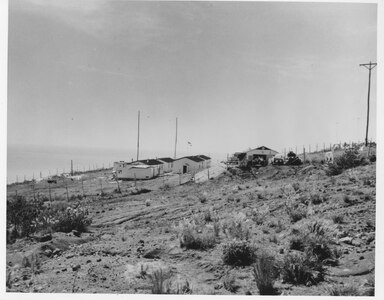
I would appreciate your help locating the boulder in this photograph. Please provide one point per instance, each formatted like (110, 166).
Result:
(153, 253)
(41, 238)
(346, 240)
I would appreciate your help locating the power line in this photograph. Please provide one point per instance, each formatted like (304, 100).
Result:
(369, 66)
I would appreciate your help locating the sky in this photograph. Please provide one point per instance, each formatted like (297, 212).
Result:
(237, 75)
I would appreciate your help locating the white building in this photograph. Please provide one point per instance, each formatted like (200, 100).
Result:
(142, 169)
(207, 161)
(188, 164)
(167, 164)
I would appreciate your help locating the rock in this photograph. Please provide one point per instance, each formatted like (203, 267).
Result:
(37, 288)
(151, 254)
(76, 233)
(43, 238)
(361, 257)
(356, 243)
(346, 240)
(63, 270)
(76, 268)
(69, 255)
(89, 261)
(48, 252)
(98, 260)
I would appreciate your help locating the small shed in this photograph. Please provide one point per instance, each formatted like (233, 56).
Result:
(167, 164)
(262, 153)
(188, 164)
(207, 161)
(136, 172)
(154, 163)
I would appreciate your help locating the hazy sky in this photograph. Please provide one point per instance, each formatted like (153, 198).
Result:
(236, 74)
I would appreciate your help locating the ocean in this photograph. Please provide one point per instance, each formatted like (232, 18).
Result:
(27, 162)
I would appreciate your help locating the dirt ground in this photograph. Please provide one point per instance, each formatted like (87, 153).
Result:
(130, 236)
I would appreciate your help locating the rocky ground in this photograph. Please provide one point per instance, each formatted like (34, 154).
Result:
(133, 236)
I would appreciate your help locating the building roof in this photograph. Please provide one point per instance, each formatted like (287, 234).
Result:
(263, 148)
(141, 167)
(204, 157)
(151, 162)
(166, 159)
(193, 158)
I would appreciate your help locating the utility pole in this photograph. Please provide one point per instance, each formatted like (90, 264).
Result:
(175, 140)
(138, 134)
(369, 66)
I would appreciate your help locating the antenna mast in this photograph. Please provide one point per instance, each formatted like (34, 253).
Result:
(175, 140)
(138, 134)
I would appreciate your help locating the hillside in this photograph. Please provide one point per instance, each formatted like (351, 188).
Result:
(275, 211)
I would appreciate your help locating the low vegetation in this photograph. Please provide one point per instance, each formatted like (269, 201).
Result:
(25, 217)
(302, 268)
(239, 253)
(351, 158)
(265, 273)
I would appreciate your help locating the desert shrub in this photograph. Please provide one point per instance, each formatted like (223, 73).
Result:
(347, 200)
(315, 242)
(265, 273)
(296, 186)
(229, 283)
(208, 215)
(183, 288)
(273, 239)
(316, 227)
(165, 187)
(203, 198)
(258, 217)
(279, 226)
(75, 197)
(350, 159)
(316, 199)
(297, 243)
(236, 228)
(191, 239)
(334, 169)
(302, 269)
(372, 158)
(148, 202)
(296, 212)
(160, 283)
(239, 253)
(343, 290)
(22, 215)
(337, 218)
(72, 219)
(319, 247)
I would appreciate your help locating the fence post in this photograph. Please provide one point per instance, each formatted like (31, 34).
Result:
(179, 178)
(82, 186)
(135, 179)
(33, 189)
(49, 188)
(66, 187)
(118, 186)
(208, 174)
(101, 187)
(304, 153)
